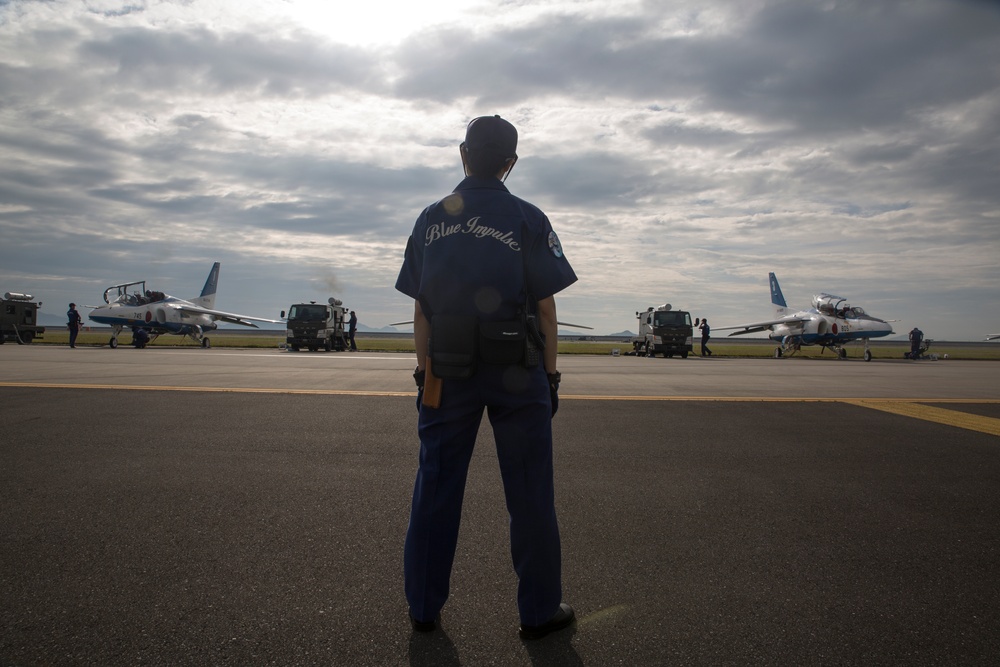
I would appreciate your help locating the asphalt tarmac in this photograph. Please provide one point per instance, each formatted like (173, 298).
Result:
(240, 507)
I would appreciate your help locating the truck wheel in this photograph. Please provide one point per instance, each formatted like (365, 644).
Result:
(684, 355)
(329, 345)
(293, 348)
(650, 350)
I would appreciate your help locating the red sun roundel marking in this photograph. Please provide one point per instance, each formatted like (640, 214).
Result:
(149, 316)
(834, 328)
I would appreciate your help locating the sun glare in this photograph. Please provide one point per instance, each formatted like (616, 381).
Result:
(375, 22)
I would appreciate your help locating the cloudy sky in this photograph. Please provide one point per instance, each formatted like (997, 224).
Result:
(682, 149)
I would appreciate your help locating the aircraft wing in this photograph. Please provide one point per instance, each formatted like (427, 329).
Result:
(992, 336)
(757, 327)
(232, 318)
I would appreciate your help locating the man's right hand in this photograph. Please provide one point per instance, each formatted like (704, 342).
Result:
(554, 380)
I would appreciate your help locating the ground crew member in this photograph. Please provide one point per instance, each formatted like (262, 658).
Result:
(73, 323)
(140, 337)
(477, 264)
(352, 329)
(706, 333)
(916, 338)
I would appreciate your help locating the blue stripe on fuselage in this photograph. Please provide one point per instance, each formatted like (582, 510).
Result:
(824, 339)
(157, 327)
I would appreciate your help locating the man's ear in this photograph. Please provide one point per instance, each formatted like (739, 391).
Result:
(508, 166)
(464, 152)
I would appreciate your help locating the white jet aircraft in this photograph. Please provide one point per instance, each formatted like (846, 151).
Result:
(831, 323)
(136, 307)
(992, 336)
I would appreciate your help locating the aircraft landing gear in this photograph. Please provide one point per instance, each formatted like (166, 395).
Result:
(868, 355)
(115, 330)
(777, 353)
(206, 343)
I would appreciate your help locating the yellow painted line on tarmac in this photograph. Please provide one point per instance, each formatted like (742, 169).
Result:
(774, 399)
(233, 390)
(907, 407)
(722, 399)
(933, 413)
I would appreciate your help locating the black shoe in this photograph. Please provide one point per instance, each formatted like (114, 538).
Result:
(563, 618)
(422, 626)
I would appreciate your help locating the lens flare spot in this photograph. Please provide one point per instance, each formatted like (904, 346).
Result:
(487, 300)
(453, 204)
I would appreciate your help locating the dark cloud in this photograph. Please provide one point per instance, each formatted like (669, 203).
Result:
(842, 143)
(846, 66)
(291, 65)
(831, 67)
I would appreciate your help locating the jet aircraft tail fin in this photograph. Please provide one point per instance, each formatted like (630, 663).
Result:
(777, 298)
(207, 298)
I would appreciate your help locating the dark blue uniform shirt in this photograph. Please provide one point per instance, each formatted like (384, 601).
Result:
(480, 251)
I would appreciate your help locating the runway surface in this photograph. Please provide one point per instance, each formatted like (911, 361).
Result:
(239, 507)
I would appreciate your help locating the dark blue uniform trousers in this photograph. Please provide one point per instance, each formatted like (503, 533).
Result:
(517, 402)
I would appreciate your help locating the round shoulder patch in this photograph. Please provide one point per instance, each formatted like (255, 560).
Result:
(554, 246)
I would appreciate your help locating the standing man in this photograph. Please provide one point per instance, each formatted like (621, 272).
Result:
(352, 328)
(706, 333)
(916, 338)
(482, 267)
(73, 324)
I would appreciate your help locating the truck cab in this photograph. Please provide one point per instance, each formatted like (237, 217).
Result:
(316, 325)
(663, 330)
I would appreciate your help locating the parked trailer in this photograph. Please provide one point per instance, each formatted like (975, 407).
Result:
(19, 318)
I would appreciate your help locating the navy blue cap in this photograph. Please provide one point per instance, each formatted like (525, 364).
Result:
(492, 133)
